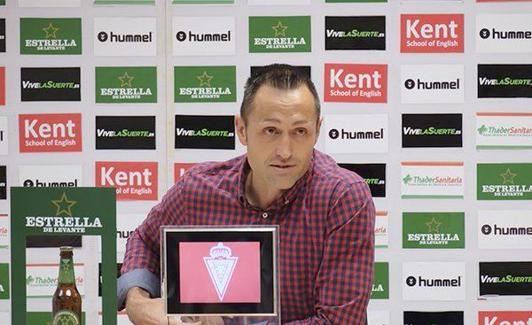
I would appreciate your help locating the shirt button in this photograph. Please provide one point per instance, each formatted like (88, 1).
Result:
(286, 202)
(265, 215)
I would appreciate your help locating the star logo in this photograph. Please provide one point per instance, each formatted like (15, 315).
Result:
(508, 177)
(205, 79)
(433, 226)
(279, 29)
(50, 31)
(125, 80)
(64, 205)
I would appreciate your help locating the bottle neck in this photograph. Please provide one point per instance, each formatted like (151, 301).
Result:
(66, 271)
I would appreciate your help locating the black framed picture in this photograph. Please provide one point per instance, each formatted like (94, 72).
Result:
(220, 270)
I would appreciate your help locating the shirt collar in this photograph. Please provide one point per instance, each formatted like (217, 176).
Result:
(286, 198)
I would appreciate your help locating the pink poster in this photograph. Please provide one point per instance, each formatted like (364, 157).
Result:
(219, 272)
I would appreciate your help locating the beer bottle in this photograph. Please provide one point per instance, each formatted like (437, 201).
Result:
(67, 300)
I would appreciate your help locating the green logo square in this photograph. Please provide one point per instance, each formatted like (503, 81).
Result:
(4, 281)
(126, 85)
(48, 36)
(504, 181)
(381, 287)
(270, 34)
(433, 230)
(204, 84)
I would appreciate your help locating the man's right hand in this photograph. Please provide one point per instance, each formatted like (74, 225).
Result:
(143, 310)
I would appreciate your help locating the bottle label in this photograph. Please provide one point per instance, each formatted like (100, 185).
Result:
(66, 317)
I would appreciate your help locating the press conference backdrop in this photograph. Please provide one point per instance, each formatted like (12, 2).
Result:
(430, 101)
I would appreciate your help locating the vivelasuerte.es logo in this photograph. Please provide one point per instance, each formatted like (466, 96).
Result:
(125, 36)
(204, 132)
(374, 175)
(433, 318)
(203, 36)
(505, 278)
(512, 181)
(125, 132)
(504, 80)
(50, 36)
(205, 84)
(355, 33)
(3, 183)
(431, 130)
(50, 84)
(279, 34)
(126, 84)
(2, 35)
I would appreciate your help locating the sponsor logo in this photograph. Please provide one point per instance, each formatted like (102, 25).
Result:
(41, 279)
(4, 143)
(355, 33)
(2, 35)
(2, 86)
(126, 85)
(504, 181)
(49, 132)
(433, 230)
(504, 317)
(436, 83)
(432, 180)
(352, 1)
(202, 1)
(279, 34)
(4, 281)
(131, 36)
(50, 176)
(125, 132)
(356, 133)
(432, 33)
(504, 130)
(505, 278)
(49, 3)
(504, 80)
(50, 36)
(381, 229)
(504, 33)
(203, 36)
(205, 84)
(357, 83)
(3, 183)
(50, 84)
(434, 281)
(502, 229)
(133, 180)
(433, 318)
(4, 231)
(204, 132)
(180, 169)
(124, 2)
(373, 174)
(303, 69)
(431, 130)
(380, 288)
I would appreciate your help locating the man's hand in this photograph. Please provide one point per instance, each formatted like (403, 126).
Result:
(143, 310)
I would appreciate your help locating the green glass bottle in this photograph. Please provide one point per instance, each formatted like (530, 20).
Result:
(66, 303)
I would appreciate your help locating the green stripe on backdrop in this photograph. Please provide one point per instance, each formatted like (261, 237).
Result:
(432, 196)
(488, 147)
(202, 1)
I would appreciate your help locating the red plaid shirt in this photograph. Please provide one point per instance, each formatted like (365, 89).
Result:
(326, 231)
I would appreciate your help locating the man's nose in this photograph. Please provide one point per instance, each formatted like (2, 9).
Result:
(284, 147)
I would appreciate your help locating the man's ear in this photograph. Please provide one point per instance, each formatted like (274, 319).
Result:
(240, 127)
(318, 128)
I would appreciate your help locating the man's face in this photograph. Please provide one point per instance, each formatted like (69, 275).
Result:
(280, 133)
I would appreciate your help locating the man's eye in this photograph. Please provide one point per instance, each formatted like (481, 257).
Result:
(270, 130)
(301, 131)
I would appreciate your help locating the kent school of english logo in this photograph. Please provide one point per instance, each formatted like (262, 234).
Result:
(205, 84)
(355, 83)
(220, 265)
(432, 33)
(126, 85)
(279, 34)
(48, 36)
(50, 132)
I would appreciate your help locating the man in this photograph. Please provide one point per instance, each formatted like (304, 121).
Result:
(325, 213)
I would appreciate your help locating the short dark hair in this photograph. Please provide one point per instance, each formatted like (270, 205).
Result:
(279, 76)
